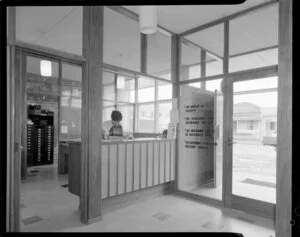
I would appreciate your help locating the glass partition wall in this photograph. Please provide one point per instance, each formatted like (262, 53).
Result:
(144, 102)
(241, 53)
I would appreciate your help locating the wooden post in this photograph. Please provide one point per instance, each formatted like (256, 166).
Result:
(284, 118)
(175, 75)
(203, 67)
(227, 89)
(90, 196)
(13, 131)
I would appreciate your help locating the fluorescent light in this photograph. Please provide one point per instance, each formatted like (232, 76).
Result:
(121, 82)
(148, 19)
(46, 69)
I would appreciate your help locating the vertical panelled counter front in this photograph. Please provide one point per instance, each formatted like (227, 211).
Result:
(127, 165)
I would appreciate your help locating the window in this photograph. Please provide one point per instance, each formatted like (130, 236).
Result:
(121, 40)
(190, 61)
(153, 101)
(209, 42)
(251, 125)
(145, 123)
(164, 90)
(273, 126)
(146, 88)
(164, 110)
(159, 55)
(253, 39)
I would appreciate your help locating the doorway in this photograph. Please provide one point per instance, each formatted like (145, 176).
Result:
(254, 141)
(51, 114)
(249, 143)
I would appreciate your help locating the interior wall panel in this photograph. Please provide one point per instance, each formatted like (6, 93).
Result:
(113, 170)
(167, 161)
(150, 165)
(129, 167)
(161, 162)
(143, 165)
(121, 169)
(173, 155)
(136, 172)
(104, 171)
(156, 160)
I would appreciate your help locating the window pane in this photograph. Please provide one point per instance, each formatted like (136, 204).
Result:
(213, 85)
(121, 42)
(126, 89)
(254, 147)
(212, 42)
(251, 37)
(214, 66)
(106, 113)
(265, 83)
(146, 118)
(211, 39)
(159, 54)
(163, 116)
(108, 82)
(58, 28)
(127, 117)
(145, 89)
(164, 90)
(253, 60)
(71, 102)
(190, 61)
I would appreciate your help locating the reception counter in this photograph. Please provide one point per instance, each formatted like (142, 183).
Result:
(127, 165)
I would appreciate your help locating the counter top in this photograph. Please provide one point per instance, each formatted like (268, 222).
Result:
(125, 140)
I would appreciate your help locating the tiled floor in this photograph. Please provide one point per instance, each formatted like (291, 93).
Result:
(53, 208)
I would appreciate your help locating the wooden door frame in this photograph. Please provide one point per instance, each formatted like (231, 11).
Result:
(25, 53)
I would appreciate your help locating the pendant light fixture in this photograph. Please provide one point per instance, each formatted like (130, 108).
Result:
(46, 69)
(148, 19)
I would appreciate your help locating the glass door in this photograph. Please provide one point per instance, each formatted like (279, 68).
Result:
(200, 141)
(254, 138)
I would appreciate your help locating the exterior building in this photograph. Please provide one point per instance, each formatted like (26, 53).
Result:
(253, 123)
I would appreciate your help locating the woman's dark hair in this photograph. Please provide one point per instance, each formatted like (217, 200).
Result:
(116, 115)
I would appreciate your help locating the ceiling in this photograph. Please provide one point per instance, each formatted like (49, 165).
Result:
(61, 28)
(181, 18)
